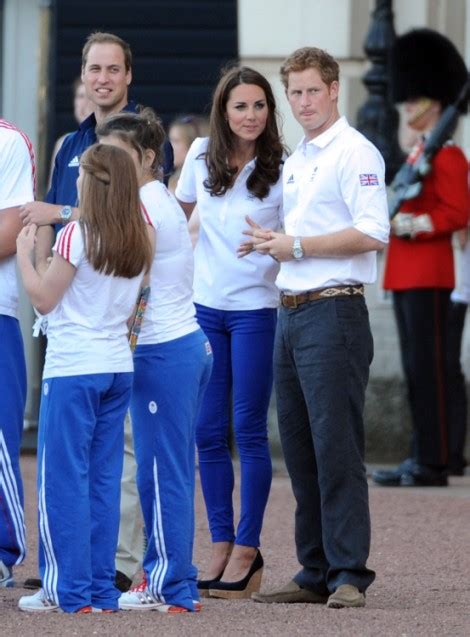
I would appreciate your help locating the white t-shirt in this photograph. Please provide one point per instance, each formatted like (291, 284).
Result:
(170, 310)
(221, 280)
(17, 173)
(87, 330)
(330, 183)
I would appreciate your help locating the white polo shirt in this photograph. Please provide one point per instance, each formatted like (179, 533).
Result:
(170, 311)
(87, 330)
(333, 182)
(221, 280)
(16, 188)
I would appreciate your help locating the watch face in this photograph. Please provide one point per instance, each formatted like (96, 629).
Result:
(297, 251)
(66, 213)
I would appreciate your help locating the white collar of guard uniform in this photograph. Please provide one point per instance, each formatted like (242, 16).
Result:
(325, 138)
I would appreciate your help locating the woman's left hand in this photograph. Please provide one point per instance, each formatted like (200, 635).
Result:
(26, 240)
(258, 235)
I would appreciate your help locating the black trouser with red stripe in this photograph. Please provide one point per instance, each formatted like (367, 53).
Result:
(457, 392)
(421, 316)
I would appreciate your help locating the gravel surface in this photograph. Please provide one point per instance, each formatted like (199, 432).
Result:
(420, 550)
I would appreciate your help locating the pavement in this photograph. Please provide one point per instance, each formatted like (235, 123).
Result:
(420, 551)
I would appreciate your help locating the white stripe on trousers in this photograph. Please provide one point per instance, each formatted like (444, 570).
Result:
(158, 574)
(49, 582)
(10, 488)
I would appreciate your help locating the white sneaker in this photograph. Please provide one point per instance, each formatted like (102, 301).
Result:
(139, 598)
(37, 603)
(6, 576)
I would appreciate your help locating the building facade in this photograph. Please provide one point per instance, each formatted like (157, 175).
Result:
(179, 47)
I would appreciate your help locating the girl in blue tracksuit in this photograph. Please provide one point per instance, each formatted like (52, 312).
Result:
(88, 292)
(173, 362)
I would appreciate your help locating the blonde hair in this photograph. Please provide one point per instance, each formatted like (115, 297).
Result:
(116, 239)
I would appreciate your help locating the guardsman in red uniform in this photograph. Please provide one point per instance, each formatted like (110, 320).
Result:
(427, 74)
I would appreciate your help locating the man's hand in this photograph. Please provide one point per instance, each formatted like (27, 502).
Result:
(39, 213)
(279, 247)
(25, 242)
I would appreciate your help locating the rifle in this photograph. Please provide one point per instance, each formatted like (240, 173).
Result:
(408, 181)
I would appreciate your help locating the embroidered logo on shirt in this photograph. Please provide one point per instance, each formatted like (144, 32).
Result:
(368, 179)
(290, 180)
(74, 162)
(312, 176)
(208, 348)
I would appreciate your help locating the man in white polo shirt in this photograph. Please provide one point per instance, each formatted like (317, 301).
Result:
(17, 173)
(336, 219)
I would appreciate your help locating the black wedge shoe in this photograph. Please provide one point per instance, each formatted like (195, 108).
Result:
(203, 585)
(242, 589)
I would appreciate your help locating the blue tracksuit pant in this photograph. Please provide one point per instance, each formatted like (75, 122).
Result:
(12, 403)
(80, 456)
(242, 342)
(169, 384)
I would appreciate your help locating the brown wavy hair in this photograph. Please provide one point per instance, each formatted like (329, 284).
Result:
(142, 130)
(310, 57)
(268, 149)
(116, 240)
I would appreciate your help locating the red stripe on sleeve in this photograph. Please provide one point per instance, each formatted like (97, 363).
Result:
(64, 241)
(69, 241)
(145, 214)
(7, 125)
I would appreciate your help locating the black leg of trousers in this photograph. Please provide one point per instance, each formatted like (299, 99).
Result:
(299, 455)
(457, 393)
(321, 360)
(422, 325)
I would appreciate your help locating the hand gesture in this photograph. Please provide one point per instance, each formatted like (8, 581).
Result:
(258, 235)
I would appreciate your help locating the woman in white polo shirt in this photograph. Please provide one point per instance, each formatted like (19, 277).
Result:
(173, 363)
(230, 175)
(89, 293)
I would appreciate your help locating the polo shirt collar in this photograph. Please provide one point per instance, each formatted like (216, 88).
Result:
(90, 121)
(327, 137)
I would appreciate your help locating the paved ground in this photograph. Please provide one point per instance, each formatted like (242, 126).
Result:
(421, 552)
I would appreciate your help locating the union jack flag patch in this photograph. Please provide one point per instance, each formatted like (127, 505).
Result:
(368, 179)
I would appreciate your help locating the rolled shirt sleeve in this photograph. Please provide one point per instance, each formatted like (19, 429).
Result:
(362, 183)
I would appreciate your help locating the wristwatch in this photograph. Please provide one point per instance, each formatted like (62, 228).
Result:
(297, 250)
(65, 214)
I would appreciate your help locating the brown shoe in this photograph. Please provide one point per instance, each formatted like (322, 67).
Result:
(346, 596)
(291, 593)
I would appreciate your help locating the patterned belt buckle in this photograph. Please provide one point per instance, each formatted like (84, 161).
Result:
(294, 298)
(290, 300)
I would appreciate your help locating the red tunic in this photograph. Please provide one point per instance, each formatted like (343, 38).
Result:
(427, 261)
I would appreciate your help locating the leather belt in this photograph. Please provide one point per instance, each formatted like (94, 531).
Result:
(294, 300)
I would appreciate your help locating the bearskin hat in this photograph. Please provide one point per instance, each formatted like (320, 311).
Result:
(424, 63)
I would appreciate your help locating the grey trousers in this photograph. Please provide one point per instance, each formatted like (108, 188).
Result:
(130, 549)
(322, 354)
